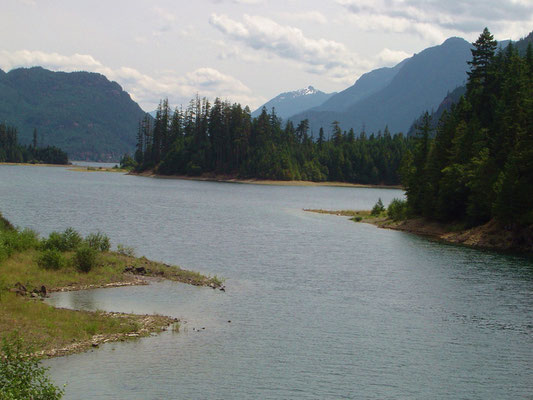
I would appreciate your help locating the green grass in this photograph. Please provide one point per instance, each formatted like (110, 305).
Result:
(46, 327)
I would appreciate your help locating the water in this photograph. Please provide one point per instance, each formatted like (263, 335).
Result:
(320, 307)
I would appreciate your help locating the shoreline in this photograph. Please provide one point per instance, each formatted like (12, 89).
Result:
(36, 164)
(490, 236)
(55, 331)
(234, 179)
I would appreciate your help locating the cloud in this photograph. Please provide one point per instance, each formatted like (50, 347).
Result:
(318, 56)
(387, 57)
(165, 21)
(145, 89)
(437, 19)
(314, 17)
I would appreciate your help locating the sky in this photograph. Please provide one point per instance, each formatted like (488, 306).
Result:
(245, 51)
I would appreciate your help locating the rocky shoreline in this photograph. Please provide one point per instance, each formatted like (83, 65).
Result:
(490, 236)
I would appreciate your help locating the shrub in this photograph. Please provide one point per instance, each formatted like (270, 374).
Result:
(5, 224)
(22, 376)
(3, 252)
(27, 239)
(71, 239)
(378, 208)
(51, 259)
(397, 210)
(85, 258)
(54, 241)
(126, 251)
(12, 241)
(67, 241)
(98, 241)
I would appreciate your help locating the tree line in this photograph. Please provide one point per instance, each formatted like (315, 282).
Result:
(477, 164)
(12, 151)
(223, 139)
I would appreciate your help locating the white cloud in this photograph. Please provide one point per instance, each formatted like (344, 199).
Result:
(437, 19)
(387, 57)
(318, 56)
(314, 17)
(145, 89)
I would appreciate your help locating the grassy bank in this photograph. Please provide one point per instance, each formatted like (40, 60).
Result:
(24, 282)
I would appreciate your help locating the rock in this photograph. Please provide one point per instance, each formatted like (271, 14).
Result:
(94, 344)
(129, 268)
(34, 295)
(222, 289)
(19, 289)
(140, 271)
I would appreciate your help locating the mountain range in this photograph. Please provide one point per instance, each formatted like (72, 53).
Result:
(395, 97)
(83, 113)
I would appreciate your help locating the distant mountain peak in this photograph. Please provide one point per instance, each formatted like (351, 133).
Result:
(290, 103)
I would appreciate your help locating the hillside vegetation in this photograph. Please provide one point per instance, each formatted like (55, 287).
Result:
(82, 113)
(479, 165)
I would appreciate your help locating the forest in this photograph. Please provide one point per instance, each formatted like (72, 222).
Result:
(12, 151)
(477, 164)
(223, 139)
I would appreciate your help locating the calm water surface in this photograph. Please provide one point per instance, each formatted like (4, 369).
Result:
(320, 307)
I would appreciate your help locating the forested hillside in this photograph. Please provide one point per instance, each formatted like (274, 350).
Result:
(83, 113)
(13, 152)
(224, 139)
(479, 165)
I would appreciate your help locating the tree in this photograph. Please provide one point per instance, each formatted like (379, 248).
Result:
(482, 56)
(22, 376)
(34, 138)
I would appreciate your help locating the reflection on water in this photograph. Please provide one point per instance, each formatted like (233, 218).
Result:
(320, 307)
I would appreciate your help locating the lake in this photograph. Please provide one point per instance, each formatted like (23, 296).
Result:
(320, 307)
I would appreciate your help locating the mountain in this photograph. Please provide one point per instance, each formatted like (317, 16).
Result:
(395, 97)
(83, 113)
(368, 84)
(290, 103)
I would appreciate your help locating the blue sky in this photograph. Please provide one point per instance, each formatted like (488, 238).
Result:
(246, 51)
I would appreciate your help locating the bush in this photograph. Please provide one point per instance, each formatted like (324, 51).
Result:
(67, 241)
(51, 259)
(125, 251)
(85, 258)
(397, 210)
(12, 241)
(98, 241)
(71, 239)
(22, 376)
(3, 252)
(378, 208)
